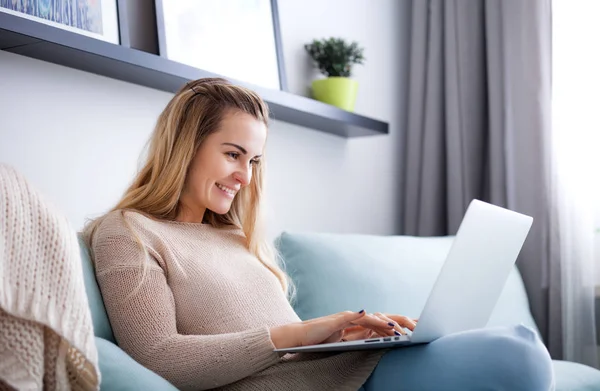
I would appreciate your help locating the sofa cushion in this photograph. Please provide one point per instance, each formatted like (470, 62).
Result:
(572, 376)
(120, 372)
(337, 272)
(99, 317)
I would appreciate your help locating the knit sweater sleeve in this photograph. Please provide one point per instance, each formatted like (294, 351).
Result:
(143, 318)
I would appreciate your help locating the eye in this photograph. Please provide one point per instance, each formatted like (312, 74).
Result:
(255, 162)
(233, 155)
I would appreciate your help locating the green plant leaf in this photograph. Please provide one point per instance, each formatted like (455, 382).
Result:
(335, 56)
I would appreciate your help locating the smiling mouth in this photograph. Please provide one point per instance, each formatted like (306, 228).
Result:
(226, 189)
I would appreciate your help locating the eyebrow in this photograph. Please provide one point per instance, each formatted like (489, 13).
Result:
(243, 150)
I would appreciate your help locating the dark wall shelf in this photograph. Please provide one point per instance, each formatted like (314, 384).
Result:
(58, 46)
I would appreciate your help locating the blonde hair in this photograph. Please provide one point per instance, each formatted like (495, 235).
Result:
(194, 113)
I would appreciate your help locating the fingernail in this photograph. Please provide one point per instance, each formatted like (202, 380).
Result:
(361, 311)
(391, 324)
(397, 333)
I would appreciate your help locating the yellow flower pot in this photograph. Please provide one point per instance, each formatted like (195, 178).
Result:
(337, 91)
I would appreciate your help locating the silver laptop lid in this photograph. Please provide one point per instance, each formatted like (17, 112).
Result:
(478, 264)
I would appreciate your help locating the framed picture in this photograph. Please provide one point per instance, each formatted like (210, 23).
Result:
(239, 39)
(94, 18)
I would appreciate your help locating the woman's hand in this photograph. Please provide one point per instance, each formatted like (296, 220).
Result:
(400, 323)
(334, 328)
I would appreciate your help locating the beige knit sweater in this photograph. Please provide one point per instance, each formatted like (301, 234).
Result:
(46, 332)
(201, 316)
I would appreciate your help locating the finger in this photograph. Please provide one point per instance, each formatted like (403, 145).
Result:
(373, 322)
(366, 331)
(403, 321)
(375, 331)
(388, 331)
(398, 330)
(353, 328)
(385, 327)
(381, 334)
(389, 326)
(380, 326)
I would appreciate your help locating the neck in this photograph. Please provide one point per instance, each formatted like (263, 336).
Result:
(189, 214)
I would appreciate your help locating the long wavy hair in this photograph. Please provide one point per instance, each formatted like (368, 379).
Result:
(194, 113)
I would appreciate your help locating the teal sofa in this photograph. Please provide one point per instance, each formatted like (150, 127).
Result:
(378, 273)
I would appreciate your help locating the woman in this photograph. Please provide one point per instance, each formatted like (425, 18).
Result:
(193, 290)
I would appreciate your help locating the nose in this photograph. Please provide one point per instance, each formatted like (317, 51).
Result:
(244, 175)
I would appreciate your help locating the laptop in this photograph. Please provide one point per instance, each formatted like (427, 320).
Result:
(469, 284)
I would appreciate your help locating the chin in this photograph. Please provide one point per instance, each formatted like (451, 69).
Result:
(220, 209)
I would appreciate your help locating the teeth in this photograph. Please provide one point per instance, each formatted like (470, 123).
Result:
(226, 189)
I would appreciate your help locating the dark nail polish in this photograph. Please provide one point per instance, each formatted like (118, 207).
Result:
(397, 333)
(391, 324)
(361, 311)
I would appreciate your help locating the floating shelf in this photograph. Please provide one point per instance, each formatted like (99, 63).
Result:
(47, 43)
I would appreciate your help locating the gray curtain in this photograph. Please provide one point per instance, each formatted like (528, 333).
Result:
(478, 127)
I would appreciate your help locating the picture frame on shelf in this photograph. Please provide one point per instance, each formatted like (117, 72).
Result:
(137, 21)
(238, 39)
(93, 18)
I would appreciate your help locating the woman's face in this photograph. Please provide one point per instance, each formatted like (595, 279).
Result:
(223, 165)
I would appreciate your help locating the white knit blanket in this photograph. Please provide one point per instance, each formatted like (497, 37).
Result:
(46, 334)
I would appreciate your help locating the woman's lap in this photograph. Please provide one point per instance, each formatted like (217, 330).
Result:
(507, 358)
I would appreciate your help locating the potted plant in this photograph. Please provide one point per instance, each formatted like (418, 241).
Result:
(335, 57)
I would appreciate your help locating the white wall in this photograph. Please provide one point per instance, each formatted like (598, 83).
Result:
(78, 136)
